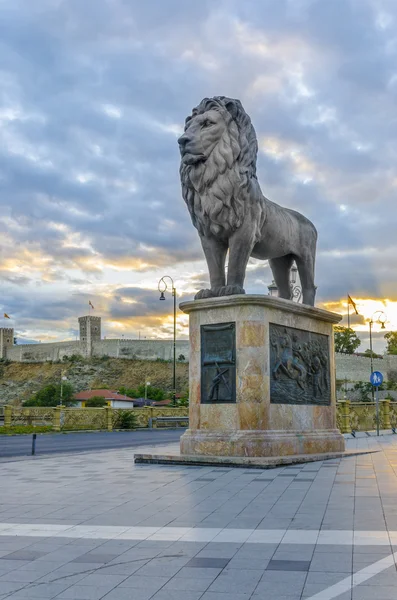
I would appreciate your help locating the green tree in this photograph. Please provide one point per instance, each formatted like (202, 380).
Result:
(96, 402)
(346, 340)
(391, 339)
(153, 393)
(50, 395)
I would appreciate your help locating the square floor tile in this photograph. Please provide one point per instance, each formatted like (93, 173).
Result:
(288, 565)
(25, 555)
(208, 563)
(95, 558)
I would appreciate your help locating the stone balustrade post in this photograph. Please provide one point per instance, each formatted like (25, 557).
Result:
(385, 413)
(7, 416)
(109, 418)
(56, 424)
(345, 411)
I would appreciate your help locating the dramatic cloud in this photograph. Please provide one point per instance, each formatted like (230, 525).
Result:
(93, 97)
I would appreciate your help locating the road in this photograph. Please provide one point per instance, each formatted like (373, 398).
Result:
(54, 443)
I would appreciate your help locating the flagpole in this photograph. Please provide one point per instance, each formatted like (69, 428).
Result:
(348, 312)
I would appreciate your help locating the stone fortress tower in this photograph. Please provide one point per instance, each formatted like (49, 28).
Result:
(6, 340)
(90, 331)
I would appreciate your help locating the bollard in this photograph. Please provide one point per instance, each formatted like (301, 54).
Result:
(34, 444)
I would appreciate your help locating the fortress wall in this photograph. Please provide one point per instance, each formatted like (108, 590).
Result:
(358, 368)
(44, 352)
(122, 348)
(140, 349)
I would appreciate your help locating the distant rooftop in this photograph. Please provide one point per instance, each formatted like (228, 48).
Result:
(106, 394)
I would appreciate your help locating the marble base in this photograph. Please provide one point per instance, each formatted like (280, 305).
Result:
(261, 443)
(253, 425)
(242, 462)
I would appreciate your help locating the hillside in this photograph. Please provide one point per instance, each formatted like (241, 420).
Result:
(18, 381)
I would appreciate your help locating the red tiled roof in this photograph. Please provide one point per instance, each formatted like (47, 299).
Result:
(107, 394)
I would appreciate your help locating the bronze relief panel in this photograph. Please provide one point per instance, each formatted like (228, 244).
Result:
(299, 366)
(218, 363)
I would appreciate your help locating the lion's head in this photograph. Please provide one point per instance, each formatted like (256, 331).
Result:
(218, 158)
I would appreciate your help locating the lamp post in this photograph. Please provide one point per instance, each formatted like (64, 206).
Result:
(147, 383)
(63, 378)
(162, 287)
(296, 290)
(273, 289)
(382, 322)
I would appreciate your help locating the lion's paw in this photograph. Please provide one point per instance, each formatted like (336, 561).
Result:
(203, 294)
(231, 290)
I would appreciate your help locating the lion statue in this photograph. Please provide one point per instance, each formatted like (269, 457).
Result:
(219, 185)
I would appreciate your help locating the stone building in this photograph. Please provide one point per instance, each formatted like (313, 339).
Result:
(6, 340)
(90, 332)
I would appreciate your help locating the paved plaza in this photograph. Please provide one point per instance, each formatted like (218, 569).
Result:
(94, 525)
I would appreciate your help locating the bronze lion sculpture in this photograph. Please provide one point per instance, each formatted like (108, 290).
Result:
(219, 185)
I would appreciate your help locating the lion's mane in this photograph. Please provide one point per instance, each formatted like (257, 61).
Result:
(216, 190)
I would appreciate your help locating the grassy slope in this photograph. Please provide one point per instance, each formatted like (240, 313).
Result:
(20, 380)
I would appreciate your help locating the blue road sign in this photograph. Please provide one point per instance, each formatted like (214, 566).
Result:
(376, 378)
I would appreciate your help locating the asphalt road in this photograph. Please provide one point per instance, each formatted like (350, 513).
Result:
(54, 443)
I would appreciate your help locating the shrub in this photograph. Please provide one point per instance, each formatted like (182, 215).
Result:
(96, 402)
(24, 429)
(74, 358)
(125, 419)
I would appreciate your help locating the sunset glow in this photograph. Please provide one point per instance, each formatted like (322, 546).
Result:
(91, 205)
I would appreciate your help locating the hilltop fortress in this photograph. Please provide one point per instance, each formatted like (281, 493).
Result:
(90, 343)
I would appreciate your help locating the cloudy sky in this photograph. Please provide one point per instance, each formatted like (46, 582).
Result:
(93, 96)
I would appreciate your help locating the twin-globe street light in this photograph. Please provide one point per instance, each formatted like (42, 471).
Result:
(382, 322)
(296, 290)
(162, 287)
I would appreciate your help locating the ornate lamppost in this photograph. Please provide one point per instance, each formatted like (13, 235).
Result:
(381, 320)
(162, 287)
(296, 290)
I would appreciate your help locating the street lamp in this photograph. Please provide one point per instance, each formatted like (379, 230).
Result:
(63, 378)
(273, 289)
(381, 320)
(147, 383)
(162, 287)
(296, 290)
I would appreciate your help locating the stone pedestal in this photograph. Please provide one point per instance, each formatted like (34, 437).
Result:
(262, 378)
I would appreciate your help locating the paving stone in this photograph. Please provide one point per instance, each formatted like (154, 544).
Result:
(176, 595)
(236, 581)
(188, 584)
(95, 558)
(26, 555)
(288, 565)
(144, 583)
(207, 563)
